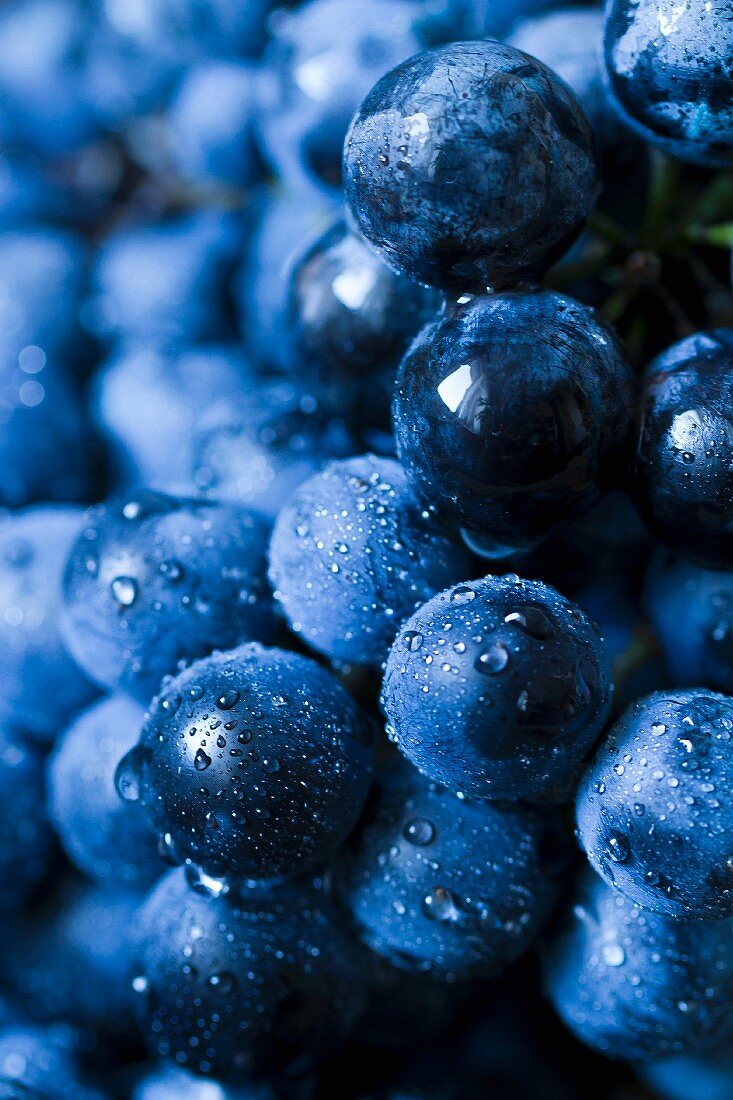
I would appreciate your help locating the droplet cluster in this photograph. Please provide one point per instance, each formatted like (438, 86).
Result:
(638, 985)
(154, 581)
(498, 689)
(447, 887)
(353, 554)
(238, 986)
(651, 806)
(254, 763)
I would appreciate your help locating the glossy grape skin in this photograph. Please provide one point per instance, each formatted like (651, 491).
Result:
(167, 283)
(652, 810)
(634, 985)
(154, 581)
(683, 481)
(470, 166)
(211, 125)
(690, 609)
(253, 763)
(107, 839)
(41, 686)
(350, 319)
(26, 837)
(353, 554)
(512, 461)
(498, 688)
(449, 888)
(265, 980)
(670, 69)
(150, 406)
(568, 42)
(321, 62)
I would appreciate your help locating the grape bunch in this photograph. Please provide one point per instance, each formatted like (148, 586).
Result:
(366, 550)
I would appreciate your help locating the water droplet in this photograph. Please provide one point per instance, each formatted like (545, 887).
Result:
(228, 700)
(440, 905)
(658, 728)
(201, 761)
(493, 660)
(167, 851)
(202, 883)
(127, 776)
(131, 509)
(419, 831)
(613, 954)
(530, 620)
(463, 594)
(412, 640)
(170, 703)
(140, 983)
(124, 590)
(224, 982)
(619, 848)
(172, 570)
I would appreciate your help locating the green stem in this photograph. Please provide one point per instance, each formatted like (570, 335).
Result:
(715, 202)
(717, 236)
(664, 177)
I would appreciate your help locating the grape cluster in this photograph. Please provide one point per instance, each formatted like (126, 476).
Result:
(366, 550)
